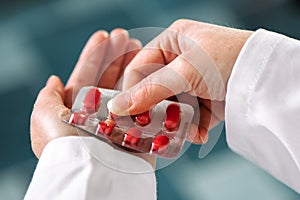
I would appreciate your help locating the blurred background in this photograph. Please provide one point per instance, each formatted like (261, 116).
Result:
(39, 38)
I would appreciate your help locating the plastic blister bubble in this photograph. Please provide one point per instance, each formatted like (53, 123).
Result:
(160, 131)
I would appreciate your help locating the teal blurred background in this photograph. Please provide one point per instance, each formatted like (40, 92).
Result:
(39, 38)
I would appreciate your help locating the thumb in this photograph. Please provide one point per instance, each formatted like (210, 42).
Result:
(52, 94)
(45, 121)
(170, 80)
(54, 84)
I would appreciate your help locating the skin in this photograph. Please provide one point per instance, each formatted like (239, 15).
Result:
(99, 58)
(190, 58)
(199, 55)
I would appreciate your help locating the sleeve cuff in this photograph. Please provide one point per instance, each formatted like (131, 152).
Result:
(245, 76)
(72, 148)
(261, 93)
(76, 167)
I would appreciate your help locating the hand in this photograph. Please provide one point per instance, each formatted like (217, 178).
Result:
(188, 59)
(46, 124)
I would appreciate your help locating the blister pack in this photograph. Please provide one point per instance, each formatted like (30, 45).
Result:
(160, 131)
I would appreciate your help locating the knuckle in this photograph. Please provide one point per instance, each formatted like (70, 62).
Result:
(147, 90)
(137, 94)
(142, 92)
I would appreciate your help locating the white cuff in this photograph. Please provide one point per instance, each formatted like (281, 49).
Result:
(86, 168)
(261, 113)
(66, 149)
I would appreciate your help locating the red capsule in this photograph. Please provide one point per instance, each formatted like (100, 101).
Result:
(92, 100)
(172, 118)
(78, 118)
(133, 136)
(106, 127)
(160, 143)
(143, 119)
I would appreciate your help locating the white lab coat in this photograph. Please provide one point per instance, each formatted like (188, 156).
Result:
(86, 168)
(263, 105)
(262, 124)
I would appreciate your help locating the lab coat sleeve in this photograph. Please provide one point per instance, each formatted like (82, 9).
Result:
(86, 168)
(263, 105)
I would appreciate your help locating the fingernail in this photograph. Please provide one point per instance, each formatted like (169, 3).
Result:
(203, 135)
(120, 104)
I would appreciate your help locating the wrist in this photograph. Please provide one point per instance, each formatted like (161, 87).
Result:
(241, 37)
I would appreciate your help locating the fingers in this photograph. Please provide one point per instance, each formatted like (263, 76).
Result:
(51, 97)
(90, 59)
(155, 55)
(147, 61)
(133, 48)
(118, 42)
(210, 116)
(196, 135)
(52, 93)
(120, 52)
(88, 67)
(191, 71)
(101, 61)
(166, 82)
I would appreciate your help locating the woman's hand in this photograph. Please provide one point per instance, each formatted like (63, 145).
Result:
(188, 59)
(101, 63)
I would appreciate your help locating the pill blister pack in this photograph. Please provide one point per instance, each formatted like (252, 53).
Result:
(160, 131)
